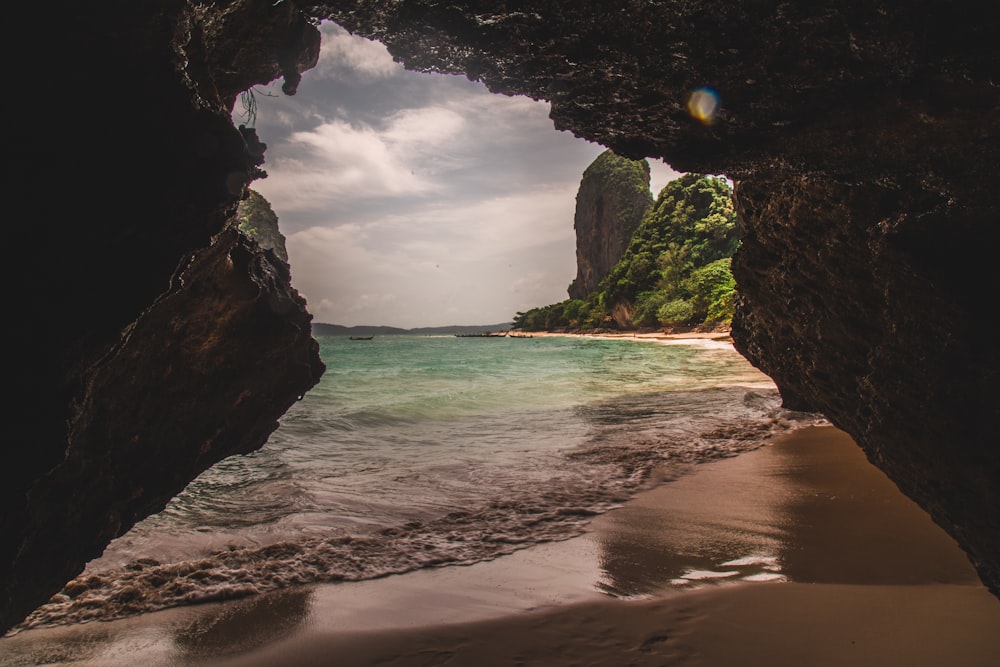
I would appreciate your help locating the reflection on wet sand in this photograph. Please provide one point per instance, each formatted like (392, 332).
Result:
(807, 508)
(851, 525)
(698, 529)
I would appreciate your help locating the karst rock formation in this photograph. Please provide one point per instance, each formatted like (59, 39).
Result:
(613, 197)
(151, 339)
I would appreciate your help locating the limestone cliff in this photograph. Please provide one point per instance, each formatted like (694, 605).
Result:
(862, 138)
(613, 196)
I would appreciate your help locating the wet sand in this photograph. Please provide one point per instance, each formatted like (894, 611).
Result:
(798, 553)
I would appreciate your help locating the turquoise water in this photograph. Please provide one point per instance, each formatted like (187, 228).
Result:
(420, 452)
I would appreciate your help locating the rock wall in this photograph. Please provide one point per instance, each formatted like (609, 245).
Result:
(862, 137)
(865, 304)
(613, 196)
(148, 341)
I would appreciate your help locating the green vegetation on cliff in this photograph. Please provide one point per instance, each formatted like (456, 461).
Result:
(674, 273)
(628, 179)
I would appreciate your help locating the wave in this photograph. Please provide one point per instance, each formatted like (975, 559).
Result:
(631, 438)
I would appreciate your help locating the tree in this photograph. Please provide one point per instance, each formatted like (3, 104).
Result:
(712, 287)
(692, 225)
(675, 313)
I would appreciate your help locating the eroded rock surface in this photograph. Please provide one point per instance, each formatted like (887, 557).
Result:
(863, 139)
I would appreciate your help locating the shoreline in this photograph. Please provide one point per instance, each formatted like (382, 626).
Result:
(635, 335)
(833, 566)
(702, 339)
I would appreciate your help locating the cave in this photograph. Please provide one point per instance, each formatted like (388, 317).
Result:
(151, 339)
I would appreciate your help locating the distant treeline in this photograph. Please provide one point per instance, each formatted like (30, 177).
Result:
(675, 271)
(321, 329)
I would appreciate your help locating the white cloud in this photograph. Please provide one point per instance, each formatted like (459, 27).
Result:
(423, 137)
(500, 113)
(439, 261)
(338, 160)
(343, 53)
(460, 237)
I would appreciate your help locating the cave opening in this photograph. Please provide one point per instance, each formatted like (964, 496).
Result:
(415, 199)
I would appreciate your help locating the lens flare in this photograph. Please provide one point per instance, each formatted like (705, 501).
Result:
(703, 104)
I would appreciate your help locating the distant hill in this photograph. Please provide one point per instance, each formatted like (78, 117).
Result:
(322, 329)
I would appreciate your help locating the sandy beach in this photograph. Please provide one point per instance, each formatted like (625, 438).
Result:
(798, 553)
(865, 579)
(687, 337)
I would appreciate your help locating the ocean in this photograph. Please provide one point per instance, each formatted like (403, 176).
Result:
(433, 451)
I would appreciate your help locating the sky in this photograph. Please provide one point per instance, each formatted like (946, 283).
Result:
(410, 199)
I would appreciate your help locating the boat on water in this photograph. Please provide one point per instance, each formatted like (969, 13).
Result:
(362, 337)
(483, 334)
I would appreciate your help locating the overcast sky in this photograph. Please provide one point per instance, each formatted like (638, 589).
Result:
(412, 199)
